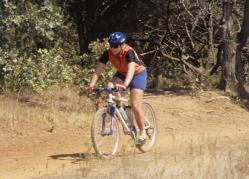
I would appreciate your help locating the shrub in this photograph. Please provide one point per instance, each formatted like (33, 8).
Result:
(37, 73)
(84, 75)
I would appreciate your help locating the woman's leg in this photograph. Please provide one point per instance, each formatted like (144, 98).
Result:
(136, 104)
(114, 81)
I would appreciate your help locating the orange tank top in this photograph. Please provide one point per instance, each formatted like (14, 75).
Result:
(120, 62)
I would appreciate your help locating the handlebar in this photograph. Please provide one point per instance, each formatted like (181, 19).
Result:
(100, 90)
(108, 90)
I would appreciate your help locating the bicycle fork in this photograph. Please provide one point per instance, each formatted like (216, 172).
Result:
(112, 111)
(104, 130)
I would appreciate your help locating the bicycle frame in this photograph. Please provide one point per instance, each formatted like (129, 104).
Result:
(115, 113)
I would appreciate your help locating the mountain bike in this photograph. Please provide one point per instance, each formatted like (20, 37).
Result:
(105, 133)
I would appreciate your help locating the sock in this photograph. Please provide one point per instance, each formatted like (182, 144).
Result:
(143, 134)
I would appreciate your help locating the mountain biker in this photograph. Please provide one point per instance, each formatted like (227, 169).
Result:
(130, 73)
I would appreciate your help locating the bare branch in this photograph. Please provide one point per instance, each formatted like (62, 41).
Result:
(189, 36)
(169, 57)
(196, 22)
(182, 59)
(149, 52)
(192, 67)
(184, 6)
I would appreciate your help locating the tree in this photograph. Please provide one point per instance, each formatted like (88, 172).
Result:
(228, 80)
(96, 19)
(242, 40)
(233, 74)
(182, 34)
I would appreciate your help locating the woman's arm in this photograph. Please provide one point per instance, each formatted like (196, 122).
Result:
(99, 68)
(130, 73)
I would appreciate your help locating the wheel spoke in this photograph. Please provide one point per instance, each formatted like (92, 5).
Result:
(105, 146)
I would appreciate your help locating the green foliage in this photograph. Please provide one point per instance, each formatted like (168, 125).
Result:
(84, 75)
(29, 26)
(98, 47)
(44, 69)
(37, 45)
(39, 41)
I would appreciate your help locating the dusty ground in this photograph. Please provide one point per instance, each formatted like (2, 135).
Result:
(201, 135)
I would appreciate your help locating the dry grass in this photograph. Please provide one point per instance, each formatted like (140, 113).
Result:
(204, 157)
(48, 111)
(189, 156)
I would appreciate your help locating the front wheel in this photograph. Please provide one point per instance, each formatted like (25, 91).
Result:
(105, 139)
(150, 127)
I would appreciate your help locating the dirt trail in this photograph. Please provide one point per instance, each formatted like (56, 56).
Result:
(200, 134)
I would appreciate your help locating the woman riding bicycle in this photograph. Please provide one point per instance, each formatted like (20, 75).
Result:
(130, 73)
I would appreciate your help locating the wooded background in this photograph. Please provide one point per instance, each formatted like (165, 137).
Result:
(186, 44)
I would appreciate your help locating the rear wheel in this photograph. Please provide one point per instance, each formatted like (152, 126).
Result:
(105, 143)
(150, 127)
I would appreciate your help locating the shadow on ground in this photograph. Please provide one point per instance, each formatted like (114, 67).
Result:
(75, 157)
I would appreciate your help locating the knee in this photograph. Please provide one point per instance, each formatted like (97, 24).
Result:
(110, 85)
(135, 106)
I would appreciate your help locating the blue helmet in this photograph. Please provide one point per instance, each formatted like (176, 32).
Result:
(116, 38)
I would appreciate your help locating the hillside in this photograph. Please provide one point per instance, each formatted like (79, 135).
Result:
(201, 135)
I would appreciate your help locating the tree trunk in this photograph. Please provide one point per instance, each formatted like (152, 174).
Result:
(210, 34)
(242, 39)
(228, 80)
(80, 27)
(92, 13)
(218, 59)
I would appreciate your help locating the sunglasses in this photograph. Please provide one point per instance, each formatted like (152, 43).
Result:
(114, 45)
